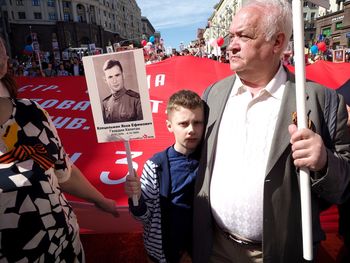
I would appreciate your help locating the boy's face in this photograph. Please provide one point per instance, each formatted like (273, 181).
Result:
(187, 126)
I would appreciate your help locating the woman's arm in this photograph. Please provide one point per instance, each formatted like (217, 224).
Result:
(79, 186)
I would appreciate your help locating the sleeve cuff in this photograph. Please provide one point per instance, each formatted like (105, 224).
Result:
(139, 210)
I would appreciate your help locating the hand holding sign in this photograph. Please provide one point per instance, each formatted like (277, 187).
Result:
(135, 198)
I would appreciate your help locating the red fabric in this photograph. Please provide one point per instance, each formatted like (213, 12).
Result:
(329, 74)
(67, 101)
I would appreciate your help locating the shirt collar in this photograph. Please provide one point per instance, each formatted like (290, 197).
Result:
(119, 93)
(273, 87)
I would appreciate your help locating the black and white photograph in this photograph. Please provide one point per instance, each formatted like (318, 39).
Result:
(109, 49)
(119, 95)
(338, 55)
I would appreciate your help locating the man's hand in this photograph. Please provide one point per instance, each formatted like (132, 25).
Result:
(308, 149)
(132, 186)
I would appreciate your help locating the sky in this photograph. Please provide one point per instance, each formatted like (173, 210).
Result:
(178, 20)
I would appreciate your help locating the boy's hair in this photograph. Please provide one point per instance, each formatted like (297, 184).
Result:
(184, 98)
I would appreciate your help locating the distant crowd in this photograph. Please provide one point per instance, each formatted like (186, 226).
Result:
(32, 68)
(74, 66)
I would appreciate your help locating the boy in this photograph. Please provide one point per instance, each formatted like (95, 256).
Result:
(167, 183)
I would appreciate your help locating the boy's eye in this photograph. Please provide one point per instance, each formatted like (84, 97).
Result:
(183, 124)
(198, 123)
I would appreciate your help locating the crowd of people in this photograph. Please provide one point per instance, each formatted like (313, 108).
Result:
(227, 188)
(74, 67)
(310, 58)
(32, 68)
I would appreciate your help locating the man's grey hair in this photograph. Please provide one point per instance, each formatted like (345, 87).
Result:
(277, 18)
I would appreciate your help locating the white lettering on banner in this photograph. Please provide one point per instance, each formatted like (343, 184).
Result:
(74, 157)
(104, 176)
(69, 123)
(36, 88)
(60, 121)
(82, 105)
(155, 105)
(76, 123)
(48, 103)
(159, 80)
(66, 104)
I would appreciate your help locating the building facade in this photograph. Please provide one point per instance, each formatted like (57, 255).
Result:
(219, 22)
(147, 28)
(335, 26)
(310, 13)
(60, 24)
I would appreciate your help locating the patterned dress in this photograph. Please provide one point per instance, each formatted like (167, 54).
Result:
(37, 223)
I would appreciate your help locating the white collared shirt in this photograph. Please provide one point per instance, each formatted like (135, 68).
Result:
(243, 146)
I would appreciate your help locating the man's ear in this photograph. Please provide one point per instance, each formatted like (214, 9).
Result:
(168, 125)
(279, 42)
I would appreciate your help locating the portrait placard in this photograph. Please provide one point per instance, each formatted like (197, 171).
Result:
(65, 55)
(57, 55)
(109, 49)
(339, 55)
(119, 96)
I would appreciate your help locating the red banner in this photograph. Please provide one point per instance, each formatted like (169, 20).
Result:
(105, 164)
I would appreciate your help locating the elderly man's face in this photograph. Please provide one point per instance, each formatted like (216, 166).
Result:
(114, 79)
(249, 50)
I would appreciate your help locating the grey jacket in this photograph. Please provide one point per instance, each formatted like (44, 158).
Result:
(282, 237)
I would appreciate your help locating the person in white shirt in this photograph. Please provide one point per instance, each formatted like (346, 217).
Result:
(247, 200)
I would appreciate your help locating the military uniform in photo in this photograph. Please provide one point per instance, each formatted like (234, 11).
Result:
(122, 106)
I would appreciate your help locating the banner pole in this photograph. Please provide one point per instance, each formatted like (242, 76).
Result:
(304, 174)
(130, 168)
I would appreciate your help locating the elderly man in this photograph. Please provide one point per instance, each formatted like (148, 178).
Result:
(247, 199)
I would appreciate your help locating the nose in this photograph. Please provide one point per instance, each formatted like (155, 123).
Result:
(233, 46)
(191, 129)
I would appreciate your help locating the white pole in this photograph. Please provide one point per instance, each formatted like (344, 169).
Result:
(304, 180)
(130, 168)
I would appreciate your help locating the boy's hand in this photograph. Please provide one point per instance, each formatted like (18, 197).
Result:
(132, 186)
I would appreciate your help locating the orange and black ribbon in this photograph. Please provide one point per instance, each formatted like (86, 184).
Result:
(24, 152)
(310, 124)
